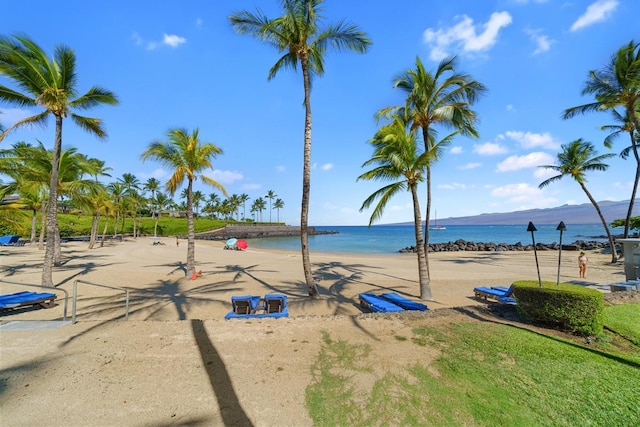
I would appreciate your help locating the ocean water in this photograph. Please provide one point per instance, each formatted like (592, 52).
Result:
(383, 239)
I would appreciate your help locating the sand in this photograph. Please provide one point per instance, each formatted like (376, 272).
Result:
(176, 361)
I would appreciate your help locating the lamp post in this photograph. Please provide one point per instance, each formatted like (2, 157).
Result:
(561, 227)
(533, 228)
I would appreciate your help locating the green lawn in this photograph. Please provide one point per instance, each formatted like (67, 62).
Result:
(486, 375)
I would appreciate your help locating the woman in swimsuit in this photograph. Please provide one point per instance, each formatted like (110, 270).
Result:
(582, 264)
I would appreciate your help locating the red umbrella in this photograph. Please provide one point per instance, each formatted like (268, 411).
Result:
(242, 245)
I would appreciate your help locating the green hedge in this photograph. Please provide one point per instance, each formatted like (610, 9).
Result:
(569, 307)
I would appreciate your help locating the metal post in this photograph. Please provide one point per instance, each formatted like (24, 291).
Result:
(533, 228)
(561, 227)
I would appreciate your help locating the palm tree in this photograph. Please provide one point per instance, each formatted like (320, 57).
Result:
(442, 99)
(197, 198)
(244, 198)
(396, 159)
(152, 185)
(575, 160)
(617, 85)
(277, 205)
(258, 205)
(188, 156)
(117, 191)
(270, 195)
(160, 202)
(297, 35)
(51, 85)
(624, 125)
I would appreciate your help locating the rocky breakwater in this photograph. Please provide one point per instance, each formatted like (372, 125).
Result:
(463, 245)
(257, 231)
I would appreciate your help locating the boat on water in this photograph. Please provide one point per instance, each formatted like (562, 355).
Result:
(435, 225)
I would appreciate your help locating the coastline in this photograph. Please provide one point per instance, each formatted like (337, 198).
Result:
(177, 362)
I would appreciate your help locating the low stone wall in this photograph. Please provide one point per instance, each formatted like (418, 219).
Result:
(256, 231)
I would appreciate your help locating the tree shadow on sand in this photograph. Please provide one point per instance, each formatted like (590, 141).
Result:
(231, 411)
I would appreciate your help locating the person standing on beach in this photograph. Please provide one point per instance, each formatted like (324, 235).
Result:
(582, 264)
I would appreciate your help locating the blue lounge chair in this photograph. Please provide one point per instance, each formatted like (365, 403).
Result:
(254, 307)
(4, 240)
(378, 304)
(497, 293)
(27, 298)
(403, 302)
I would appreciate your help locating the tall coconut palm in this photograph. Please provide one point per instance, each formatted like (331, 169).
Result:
(617, 85)
(437, 100)
(270, 195)
(160, 202)
(298, 36)
(575, 160)
(623, 125)
(117, 191)
(52, 86)
(244, 198)
(152, 185)
(398, 160)
(277, 205)
(188, 156)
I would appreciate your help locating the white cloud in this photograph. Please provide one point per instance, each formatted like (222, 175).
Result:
(530, 160)
(457, 149)
(529, 140)
(544, 174)
(281, 168)
(543, 42)
(226, 177)
(251, 187)
(173, 40)
(465, 35)
(327, 166)
(523, 195)
(453, 186)
(470, 166)
(158, 173)
(489, 149)
(596, 12)
(170, 40)
(510, 107)
(9, 116)
(199, 22)
(329, 205)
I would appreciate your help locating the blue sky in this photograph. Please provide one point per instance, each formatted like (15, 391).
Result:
(180, 64)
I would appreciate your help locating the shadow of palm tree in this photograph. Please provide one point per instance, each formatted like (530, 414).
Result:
(230, 409)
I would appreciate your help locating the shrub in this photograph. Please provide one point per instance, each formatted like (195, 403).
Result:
(571, 308)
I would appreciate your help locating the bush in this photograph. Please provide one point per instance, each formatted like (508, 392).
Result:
(571, 308)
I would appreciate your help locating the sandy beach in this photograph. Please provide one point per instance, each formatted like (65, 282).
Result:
(176, 361)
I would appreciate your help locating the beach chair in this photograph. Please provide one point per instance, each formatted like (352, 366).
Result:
(403, 302)
(275, 303)
(27, 298)
(245, 304)
(4, 240)
(254, 307)
(500, 294)
(378, 304)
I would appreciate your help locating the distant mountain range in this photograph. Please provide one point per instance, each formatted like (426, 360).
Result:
(573, 214)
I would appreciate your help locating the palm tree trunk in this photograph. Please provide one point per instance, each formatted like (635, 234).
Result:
(104, 232)
(306, 184)
(52, 214)
(425, 137)
(614, 253)
(423, 273)
(627, 220)
(34, 226)
(43, 224)
(94, 229)
(191, 237)
(115, 225)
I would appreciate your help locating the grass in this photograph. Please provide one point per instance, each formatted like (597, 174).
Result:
(486, 375)
(624, 320)
(80, 225)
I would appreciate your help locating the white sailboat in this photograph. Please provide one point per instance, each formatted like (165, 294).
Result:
(435, 225)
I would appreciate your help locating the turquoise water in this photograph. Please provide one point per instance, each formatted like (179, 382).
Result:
(389, 239)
